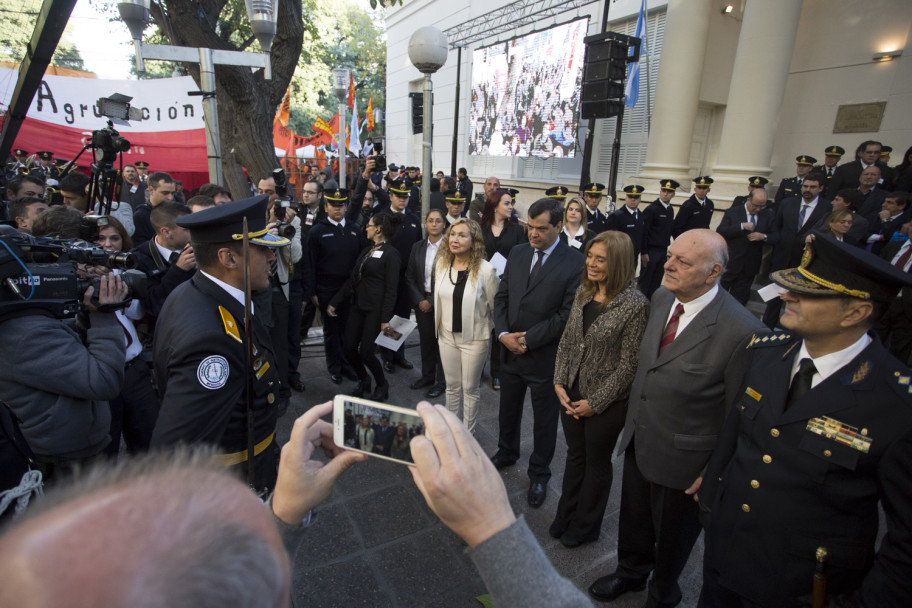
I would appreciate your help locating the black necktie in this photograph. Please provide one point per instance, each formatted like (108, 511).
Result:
(172, 259)
(753, 220)
(536, 267)
(801, 383)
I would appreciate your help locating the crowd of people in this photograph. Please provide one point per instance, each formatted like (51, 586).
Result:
(720, 417)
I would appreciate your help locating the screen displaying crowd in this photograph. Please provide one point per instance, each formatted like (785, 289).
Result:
(525, 94)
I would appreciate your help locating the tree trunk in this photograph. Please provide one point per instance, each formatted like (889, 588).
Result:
(246, 101)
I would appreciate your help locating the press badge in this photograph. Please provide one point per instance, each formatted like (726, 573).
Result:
(377, 254)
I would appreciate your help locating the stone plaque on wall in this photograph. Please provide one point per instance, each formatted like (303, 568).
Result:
(859, 117)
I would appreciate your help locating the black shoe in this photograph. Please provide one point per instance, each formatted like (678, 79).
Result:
(537, 492)
(335, 378)
(382, 392)
(501, 462)
(609, 588)
(388, 367)
(362, 388)
(404, 363)
(296, 385)
(557, 529)
(571, 542)
(350, 375)
(495, 383)
(435, 392)
(420, 383)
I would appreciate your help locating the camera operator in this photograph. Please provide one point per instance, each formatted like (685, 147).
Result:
(24, 209)
(281, 217)
(368, 182)
(74, 188)
(167, 258)
(59, 376)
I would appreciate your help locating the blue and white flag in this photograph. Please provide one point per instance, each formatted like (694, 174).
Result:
(632, 91)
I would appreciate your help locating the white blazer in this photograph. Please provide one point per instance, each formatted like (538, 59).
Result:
(477, 312)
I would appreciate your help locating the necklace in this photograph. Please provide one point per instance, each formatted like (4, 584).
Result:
(459, 279)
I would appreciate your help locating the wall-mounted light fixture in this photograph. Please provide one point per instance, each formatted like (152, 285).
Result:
(887, 56)
(727, 9)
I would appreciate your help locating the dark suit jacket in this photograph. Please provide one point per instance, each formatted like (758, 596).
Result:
(790, 239)
(872, 203)
(886, 229)
(888, 253)
(744, 256)
(162, 277)
(678, 400)
(848, 174)
(540, 308)
(414, 274)
(857, 234)
(692, 214)
(373, 283)
(806, 490)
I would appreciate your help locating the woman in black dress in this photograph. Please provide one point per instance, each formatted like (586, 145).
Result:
(500, 235)
(372, 288)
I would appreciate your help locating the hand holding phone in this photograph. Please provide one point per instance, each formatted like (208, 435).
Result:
(302, 483)
(457, 479)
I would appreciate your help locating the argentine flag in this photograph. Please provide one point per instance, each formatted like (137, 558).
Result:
(632, 91)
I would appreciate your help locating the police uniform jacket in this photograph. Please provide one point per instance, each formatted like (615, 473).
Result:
(631, 223)
(374, 281)
(595, 220)
(332, 251)
(657, 224)
(408, 234)
(787, 189)
(784, 482)
(50, 175)
(199, 351)
(692, 214)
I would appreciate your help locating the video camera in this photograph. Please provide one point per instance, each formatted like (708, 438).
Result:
(283, 202)
(40, 273)
(379, 158)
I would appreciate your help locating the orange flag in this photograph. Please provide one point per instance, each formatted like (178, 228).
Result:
(322, 125)
(284, 109)
(351, 90)
(370, 113)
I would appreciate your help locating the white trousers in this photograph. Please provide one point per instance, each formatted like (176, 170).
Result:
(462, 367)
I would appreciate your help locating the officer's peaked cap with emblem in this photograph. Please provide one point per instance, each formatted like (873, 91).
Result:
(703, 180)
(804, 159)
(834, 151)
(19, 152)
(669, 184)
(757, 181)
(558, 192)
(141, 164)
(454, 196)
(832, 268)
(398, 186)
(337, 197)
(593, 188)
(512, 192)
(225, 223)
(634, 190)
(45, 155)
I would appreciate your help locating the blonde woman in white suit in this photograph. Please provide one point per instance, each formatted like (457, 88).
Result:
(464, 288)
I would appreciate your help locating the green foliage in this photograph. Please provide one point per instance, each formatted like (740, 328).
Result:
(17, 24)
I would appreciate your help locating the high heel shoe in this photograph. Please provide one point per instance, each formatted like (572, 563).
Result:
(362, 388)
(381, 393)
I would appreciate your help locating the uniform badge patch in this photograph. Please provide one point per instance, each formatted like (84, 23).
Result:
(212, 372)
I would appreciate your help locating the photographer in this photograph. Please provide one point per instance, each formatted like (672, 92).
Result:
(57, 382)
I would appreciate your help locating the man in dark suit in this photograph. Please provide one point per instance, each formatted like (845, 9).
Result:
(419, 277)
(895, 325)
(657, 224)
(893, 215)
(746, 229)
(690, 364)
(530, 310)
(697, 211)
(791, 187)
(795, 218)
(872, 195)
(820, 434)
(847, 174)
(595, 218)
(629, 220)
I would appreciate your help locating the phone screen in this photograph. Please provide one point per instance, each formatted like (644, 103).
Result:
(375, 428)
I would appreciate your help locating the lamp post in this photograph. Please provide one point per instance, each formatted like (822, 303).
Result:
(427, 51)
(341, 78)
(263, 15)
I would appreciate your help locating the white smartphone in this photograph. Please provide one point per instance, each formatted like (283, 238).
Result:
(375, 428)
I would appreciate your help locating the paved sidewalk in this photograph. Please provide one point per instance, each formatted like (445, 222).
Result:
(375, 542)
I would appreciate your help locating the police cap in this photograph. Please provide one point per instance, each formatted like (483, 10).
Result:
(225, 223)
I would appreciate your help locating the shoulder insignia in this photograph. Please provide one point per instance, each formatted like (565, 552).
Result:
(767, 339)
(904, 380)
(231, 326)
(862, 372)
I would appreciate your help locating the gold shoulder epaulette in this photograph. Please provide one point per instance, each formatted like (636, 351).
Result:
(231, 326)
(767, 339)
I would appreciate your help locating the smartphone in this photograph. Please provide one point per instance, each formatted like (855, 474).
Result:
(375, 428)
(392, 333)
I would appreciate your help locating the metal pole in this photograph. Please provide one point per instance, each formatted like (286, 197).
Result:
(210, 113)
(615, 156)
(341, 143)
(426, 145)
(456, 111)
(585, 174)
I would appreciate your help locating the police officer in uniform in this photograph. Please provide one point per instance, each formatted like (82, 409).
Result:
(792, 186)
(595, 219)
(558, 193)
(333, 246)
(142, 168)
(753, 182)
(832, 156)
(821, 433)
(629, 220)
(697, 211)
(657, 224)
(200, 344)
(46, 169)
(17, 164)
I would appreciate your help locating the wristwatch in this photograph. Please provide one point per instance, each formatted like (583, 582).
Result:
(522, 343)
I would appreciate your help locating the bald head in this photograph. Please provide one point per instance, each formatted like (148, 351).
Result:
(696, 261)
(165, 530)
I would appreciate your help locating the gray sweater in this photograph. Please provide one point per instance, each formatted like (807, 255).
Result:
(58, 387)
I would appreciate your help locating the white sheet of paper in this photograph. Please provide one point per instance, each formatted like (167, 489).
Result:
(499, 263)
(403, 326)
(771, 291)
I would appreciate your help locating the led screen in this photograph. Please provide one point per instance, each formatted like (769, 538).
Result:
(526, 94)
